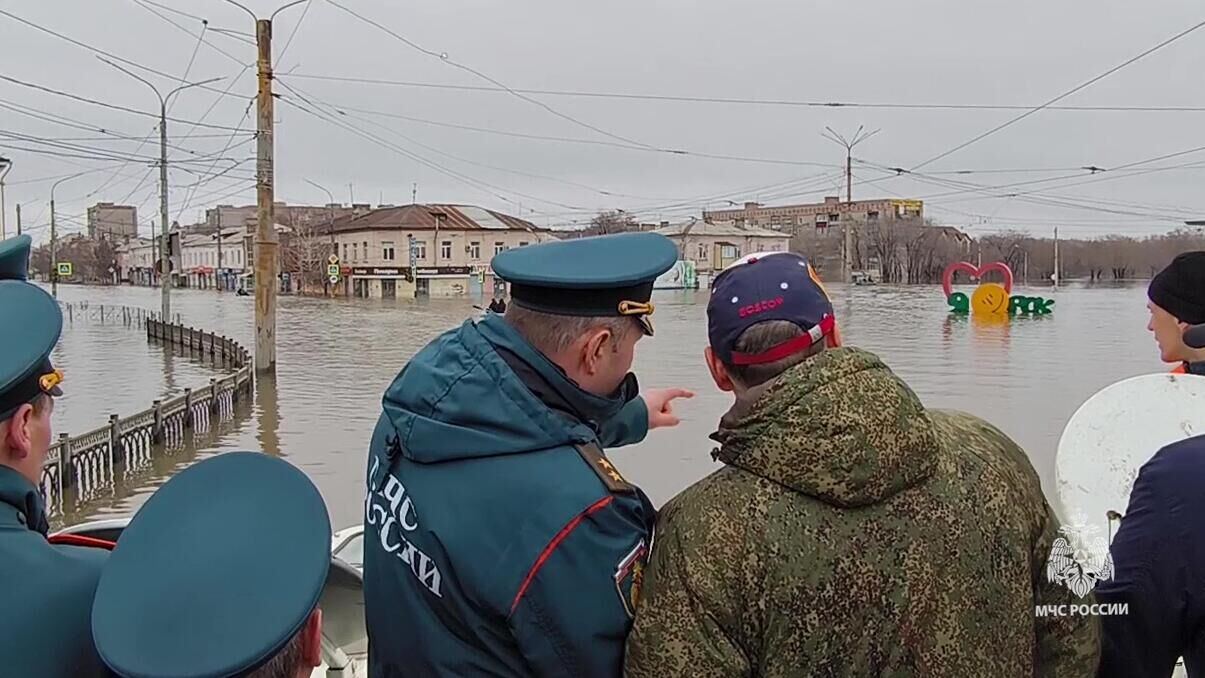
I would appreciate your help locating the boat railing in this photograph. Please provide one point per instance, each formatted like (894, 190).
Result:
(89, 465)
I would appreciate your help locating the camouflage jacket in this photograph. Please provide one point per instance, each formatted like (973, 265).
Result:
(853, 533)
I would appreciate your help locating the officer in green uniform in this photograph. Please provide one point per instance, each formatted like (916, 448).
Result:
(499, 539)
(45, 589)
(219, 574)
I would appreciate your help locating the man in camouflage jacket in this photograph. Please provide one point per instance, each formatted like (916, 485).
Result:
(851, 532)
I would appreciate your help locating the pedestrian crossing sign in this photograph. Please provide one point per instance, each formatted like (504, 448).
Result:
(332, 270)
(65, 268)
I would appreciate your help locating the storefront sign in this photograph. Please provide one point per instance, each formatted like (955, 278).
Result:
(444, 270)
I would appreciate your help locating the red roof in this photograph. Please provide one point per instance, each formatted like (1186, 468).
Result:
(424, 217)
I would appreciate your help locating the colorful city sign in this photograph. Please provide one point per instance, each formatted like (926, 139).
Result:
(990, 299)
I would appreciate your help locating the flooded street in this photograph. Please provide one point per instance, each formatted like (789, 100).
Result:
(336, 357)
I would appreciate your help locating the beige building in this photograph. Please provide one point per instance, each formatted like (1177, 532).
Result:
(713, 246)
(112, 222)
(426, 250)
(823, 215)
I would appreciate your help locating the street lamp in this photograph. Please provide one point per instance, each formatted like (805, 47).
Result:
(5, 166)
(164, 260)
(330, 223)
(54, 236)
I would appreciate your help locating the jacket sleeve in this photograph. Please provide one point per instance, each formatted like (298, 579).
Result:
(1150, 553)
(628, 427)
(1068, 643)
(571, 613)
(677, 633)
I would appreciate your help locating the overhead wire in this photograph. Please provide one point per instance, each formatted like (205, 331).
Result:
(1088, 83)
(443, 57)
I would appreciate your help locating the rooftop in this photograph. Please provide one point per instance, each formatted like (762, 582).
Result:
(425, 217)
(723, 229)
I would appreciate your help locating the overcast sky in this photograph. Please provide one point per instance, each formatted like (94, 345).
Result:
(1018, 53)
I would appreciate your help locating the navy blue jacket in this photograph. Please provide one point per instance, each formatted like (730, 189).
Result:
(1159, 570)
(45, 591)
(499, 541)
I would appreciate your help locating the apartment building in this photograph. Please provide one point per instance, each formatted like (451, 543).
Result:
(822, 215)
(112, 222)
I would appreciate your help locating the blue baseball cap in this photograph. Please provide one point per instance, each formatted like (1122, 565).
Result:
(762, 287)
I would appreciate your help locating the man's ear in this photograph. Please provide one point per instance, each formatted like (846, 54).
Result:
(718, 373)
(311, 643)
(593, 348)
(17, 435)
(833, 340)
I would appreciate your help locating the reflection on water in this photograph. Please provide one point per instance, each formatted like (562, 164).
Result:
(336, 357)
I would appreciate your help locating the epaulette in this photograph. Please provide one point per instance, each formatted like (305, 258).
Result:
(606, 471)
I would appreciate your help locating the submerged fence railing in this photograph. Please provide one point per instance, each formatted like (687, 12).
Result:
(86, 466)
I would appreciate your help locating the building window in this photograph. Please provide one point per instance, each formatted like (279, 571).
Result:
(366, 257)
(499, 248)
(702, 251)
(872, 215)
(761, 247)
(420, 249)
(730, 252)
(523, 243)
(387, 251)
(821, 221)
(445, 250)
(345, 252)
(774, 248)
(834, 218)
(474, 251)
(355, 251)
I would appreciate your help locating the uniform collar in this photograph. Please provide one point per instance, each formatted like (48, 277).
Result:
(21, 495)
(548, 382)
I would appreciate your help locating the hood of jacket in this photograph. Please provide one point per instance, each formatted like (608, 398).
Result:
(839, 427)
(482, 390)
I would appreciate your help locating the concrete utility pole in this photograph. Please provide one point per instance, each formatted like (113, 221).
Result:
(5, 166)
(1055, 276)
(165, 305)
(267, 244)
(218, 277)
(54, 237)
(846, 232)
(18, 218)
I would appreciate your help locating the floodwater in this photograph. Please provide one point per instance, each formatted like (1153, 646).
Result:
(336, 357)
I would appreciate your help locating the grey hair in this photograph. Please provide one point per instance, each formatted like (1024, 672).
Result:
(285, 664)
(552, 333)
(760, 338)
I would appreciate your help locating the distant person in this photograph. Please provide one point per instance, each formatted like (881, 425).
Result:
(851, 531)
(498, 538)
(1177, 301)
(1158, 563)
(219, 574)
(45, 589)
(498, 304)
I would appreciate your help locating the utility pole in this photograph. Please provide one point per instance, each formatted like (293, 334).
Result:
(219, 278)
(330, 224)
(266, 242)
(18, 218)
(846, 230)
(1055, 276)
(414, 194)
(165, 304)
(5, 166)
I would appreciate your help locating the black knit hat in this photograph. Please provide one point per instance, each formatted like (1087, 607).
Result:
(1179, 289)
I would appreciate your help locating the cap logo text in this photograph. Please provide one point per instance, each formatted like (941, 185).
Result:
(761, 306)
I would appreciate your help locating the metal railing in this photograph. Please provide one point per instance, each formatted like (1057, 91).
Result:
(86, 466)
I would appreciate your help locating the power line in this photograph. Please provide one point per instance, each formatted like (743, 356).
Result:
(305, 11)
(199, 37)
(1060, 97)
(746, 101)
(115, 107)
(443, 57)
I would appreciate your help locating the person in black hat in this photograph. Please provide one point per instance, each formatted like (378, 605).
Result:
(45, 589)
(1177, 301)
(850, 530)
(499, 538)
(219, 575)
(497, 304)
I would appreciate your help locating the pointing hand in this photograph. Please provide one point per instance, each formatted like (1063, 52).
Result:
(660, 405)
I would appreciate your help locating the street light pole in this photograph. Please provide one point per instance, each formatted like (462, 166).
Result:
(5, 166)
(54, 237)
(846, 232)
(330, 225)
(165, 246)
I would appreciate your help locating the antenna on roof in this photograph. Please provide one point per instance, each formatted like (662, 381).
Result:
(414, 194)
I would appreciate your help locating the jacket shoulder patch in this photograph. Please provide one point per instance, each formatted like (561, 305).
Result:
(603, 468)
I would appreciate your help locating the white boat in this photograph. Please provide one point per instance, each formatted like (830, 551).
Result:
(344, 634)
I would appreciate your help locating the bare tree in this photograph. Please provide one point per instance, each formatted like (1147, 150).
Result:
(615, 221)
